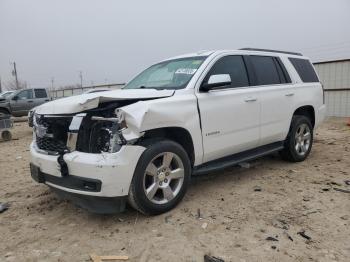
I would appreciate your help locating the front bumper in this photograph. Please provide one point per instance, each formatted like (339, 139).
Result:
(95, 204)
(98, 205)
(106, 175)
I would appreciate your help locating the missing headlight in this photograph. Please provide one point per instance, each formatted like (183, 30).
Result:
(105, 135)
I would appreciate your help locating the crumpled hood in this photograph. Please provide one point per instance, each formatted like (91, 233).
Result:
(79, 103)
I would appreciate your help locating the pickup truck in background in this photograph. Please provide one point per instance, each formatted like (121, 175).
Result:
(22, 101)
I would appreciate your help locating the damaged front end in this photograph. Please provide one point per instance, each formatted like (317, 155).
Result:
(95, 131)
(84, 157)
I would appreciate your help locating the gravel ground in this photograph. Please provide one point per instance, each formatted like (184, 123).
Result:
(251, 213)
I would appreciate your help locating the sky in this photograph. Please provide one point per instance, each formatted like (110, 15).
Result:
(111, 41)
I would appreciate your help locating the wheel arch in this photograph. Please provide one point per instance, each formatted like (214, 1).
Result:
(176, 134)
(308, 111)
(5, 109)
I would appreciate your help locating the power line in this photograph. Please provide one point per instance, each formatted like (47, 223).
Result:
(327, 45)
(340, 49)
(81, 78)
(14, 73)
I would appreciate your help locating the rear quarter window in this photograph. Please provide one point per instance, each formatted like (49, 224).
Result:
(305, 70)
(40, 93)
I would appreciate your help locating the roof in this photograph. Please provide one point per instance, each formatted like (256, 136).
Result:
(246, 50)
(271, 51)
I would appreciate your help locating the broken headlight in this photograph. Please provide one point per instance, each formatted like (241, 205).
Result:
(106, 133)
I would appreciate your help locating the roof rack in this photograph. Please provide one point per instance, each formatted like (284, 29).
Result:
(270, 50)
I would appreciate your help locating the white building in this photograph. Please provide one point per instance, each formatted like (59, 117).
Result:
(335, 77)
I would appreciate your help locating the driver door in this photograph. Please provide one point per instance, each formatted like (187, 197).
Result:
(22, 102)
(230, 115)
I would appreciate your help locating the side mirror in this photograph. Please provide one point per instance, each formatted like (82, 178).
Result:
(215, 81)
(15, 98)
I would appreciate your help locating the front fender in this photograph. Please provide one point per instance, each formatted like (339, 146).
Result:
(177, 111)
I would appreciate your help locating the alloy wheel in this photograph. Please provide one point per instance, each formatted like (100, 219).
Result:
(163, 178)
(302, 139)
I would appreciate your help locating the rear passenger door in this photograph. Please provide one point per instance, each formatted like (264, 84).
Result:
(230, 114)
(41, 96)
(276, 95)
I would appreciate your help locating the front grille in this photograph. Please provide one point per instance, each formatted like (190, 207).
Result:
(52, 133)
(50, 144)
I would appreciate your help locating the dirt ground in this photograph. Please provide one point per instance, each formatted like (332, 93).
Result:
(239, 210)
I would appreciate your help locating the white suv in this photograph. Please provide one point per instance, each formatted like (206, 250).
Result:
(187, 115)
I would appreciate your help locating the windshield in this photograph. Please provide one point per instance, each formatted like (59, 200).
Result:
(171, 74)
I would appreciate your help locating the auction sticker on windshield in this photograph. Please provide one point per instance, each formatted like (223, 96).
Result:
(187, 71)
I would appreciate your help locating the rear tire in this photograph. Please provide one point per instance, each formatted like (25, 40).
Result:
(161, 177)
(299, 141)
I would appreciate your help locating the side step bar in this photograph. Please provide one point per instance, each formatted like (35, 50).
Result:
(225, 162)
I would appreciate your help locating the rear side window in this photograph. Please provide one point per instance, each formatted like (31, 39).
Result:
(266, 71)
(40, 93)
(304, 69)
(234, 66)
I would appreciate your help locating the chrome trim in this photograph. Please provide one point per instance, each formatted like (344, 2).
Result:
(56, 116)
(110, 119)
(72, 141)
(76, 122)
(73, 131)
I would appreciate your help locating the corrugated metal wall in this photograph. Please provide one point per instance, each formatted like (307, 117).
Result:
(335, 77)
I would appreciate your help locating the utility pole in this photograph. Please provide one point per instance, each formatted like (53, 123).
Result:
(14, 73)
(52, 81)
(0, 86)
(81, 78)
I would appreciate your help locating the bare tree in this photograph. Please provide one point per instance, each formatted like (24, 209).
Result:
(11, 85)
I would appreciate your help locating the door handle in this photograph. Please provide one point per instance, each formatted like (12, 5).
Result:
(290, 94)
(30, 101)
(250, 99)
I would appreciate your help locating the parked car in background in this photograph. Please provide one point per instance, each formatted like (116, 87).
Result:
(192, 114)
(22, 101)
(6, 94)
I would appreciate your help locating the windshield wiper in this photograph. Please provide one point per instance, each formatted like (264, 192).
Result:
(150, 87)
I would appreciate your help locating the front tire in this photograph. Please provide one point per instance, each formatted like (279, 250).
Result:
(161, 177)
(299, 141)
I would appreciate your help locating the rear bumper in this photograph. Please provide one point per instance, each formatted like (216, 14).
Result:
(96, 175)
